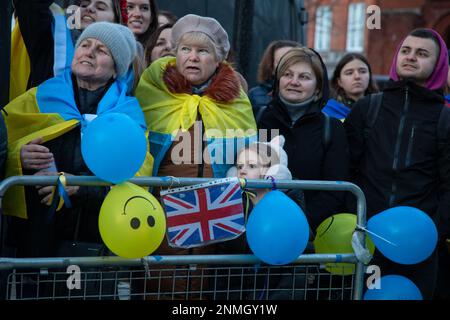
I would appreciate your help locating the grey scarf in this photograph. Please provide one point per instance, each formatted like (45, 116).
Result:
(296, 110)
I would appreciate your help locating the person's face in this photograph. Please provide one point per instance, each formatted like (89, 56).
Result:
(277, 56)
(416, 59)
(354, 79)
(196, 62)
(249, 166)
(162, 20)
(163, 46)
(96, 11)
(93, 63)
(298, 83)
(139, 15)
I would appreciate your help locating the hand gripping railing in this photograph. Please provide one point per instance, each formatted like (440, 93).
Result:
(8, 263)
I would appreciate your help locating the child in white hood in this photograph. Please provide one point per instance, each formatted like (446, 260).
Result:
(262, 160)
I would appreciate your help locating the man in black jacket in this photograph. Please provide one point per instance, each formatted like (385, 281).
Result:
(397, 156)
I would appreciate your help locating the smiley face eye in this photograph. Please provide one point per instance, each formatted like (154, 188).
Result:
(151, 221)
(135, 223)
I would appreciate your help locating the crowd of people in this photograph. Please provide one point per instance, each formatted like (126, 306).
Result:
(172, 77)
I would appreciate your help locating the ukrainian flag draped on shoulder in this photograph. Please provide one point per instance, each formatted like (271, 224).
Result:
(49, 111)
(227, 125)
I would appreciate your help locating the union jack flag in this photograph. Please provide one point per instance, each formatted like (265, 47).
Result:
(205, 213)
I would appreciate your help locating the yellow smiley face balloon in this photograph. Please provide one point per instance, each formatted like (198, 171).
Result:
(132, 222)
(334, 235)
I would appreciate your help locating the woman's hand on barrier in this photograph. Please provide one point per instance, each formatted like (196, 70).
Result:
(46, 192)
(35, 156)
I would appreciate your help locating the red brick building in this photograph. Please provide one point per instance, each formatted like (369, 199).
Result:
(339, 26)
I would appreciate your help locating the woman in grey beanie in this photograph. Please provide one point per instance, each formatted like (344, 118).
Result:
(56, 113)
(119, 41)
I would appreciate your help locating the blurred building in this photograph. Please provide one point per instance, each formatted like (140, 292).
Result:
(339, 26)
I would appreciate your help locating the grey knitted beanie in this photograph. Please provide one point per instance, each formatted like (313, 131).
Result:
(119, 40)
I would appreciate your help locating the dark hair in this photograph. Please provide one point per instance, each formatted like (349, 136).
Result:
(143, 38)
(115, 7)
(265, 68)
(152, 40)
(169, 16)
(426, 34)
(337, 92)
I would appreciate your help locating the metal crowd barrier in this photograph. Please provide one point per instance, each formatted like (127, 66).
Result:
(199, 277)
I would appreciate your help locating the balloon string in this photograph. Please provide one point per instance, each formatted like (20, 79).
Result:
(358, 227)
(243, 183)
(266, 281)
(274, 185)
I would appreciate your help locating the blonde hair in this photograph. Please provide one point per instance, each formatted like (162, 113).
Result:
(266, 155)
(200, 38)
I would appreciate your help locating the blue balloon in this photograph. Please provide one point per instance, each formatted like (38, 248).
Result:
(114, 147)
(277, 229)
(394, 287)
(412, 233)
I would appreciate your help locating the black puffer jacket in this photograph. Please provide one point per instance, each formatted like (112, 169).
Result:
(398, 161)
(309, 157)
(3, 146)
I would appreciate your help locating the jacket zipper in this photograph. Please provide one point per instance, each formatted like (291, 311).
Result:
(410, 145)
(397, 148)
